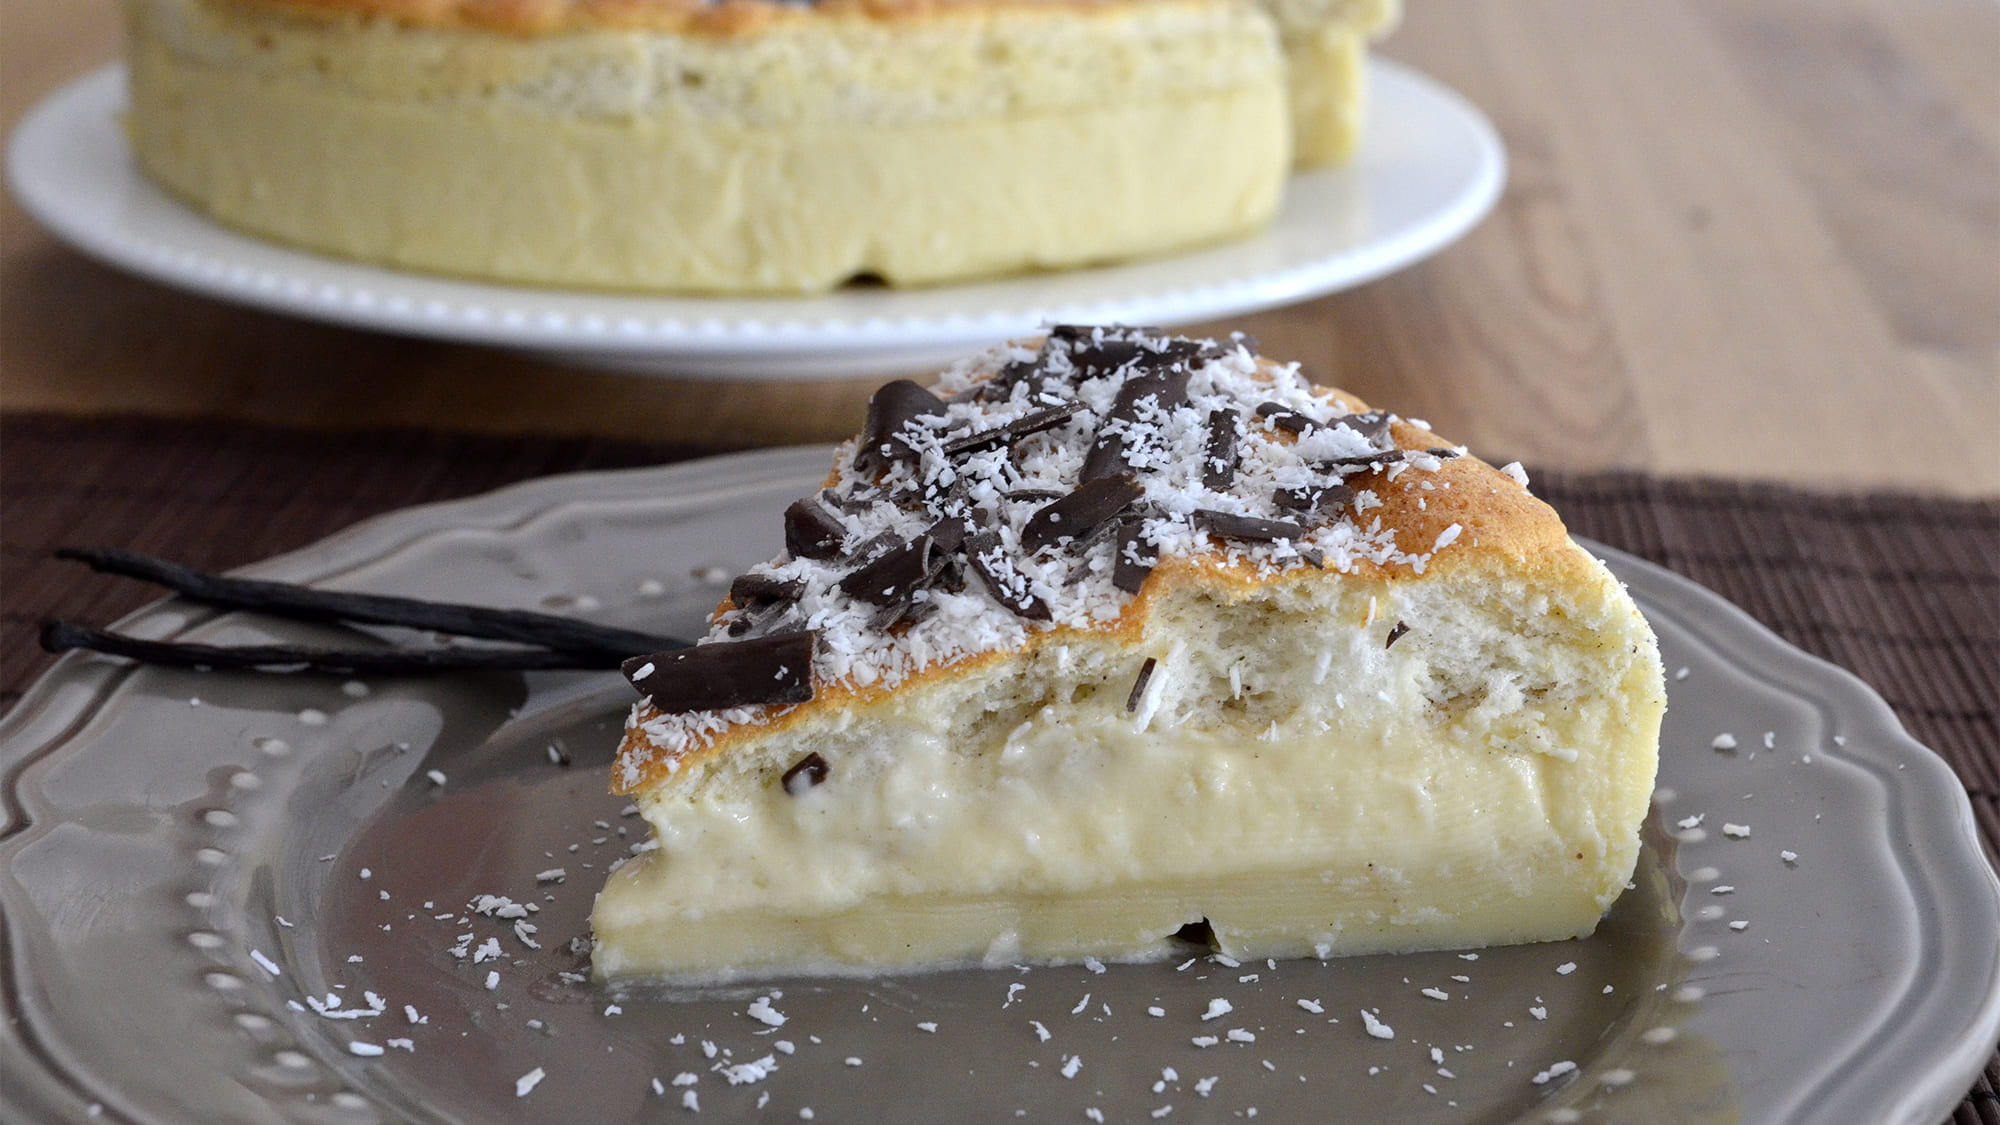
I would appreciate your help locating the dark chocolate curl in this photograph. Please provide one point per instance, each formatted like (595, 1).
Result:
(1227, 525)
(1218, 465)
(1034, 372)
(892, 407)
(1013, 431)
(812, 532)
(1166, 386)
(709, 677)
(908, 567)
(1395, 634)
(762, 589)
(1135, 557)
(1106, 357)
(988, 560)
(1374, 425)
(1081, 512)
(1366, 460)
(1221, 349)
(1285, 418)
(1314, 499)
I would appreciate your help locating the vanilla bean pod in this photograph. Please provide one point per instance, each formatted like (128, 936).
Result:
(579, 639)
(62, 636)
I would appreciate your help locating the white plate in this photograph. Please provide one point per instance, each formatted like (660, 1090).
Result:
(1430, 168)
(177, 878)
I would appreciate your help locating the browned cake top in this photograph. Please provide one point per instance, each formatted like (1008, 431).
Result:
(548, 17)
(1060, 489)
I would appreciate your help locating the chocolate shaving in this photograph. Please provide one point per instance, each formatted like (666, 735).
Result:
(1285, 418)
(762, 589)
(1227, 525)
(892, 407)
(1443, 452)
(987, 558)
(906, 568)
(852, 503)
(1134, 557)
(1373, 425)
(1218, 465)
(812, 532)
(877, 545)
(1315, 499)
(1221, 349)
(1079, 333)
(907, 610)
(1395, 634)
(1367, 460)
(1107, 356)
(720, 674)
(1081, 512)
(805, 774)
(1139, 685)
(1013, 431)
(1033, 494)
(1001, 386)
(1165, 386)
(1313, 557)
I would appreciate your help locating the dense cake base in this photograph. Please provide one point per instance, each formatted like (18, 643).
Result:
(789, 159)
(1284, 773)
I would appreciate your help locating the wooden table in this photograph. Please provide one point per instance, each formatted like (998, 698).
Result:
(1749, 238)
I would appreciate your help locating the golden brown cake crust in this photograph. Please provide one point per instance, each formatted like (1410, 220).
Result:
(1499, 520)
(555, 17)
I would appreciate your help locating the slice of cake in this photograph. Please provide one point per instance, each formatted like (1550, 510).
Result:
(1326, 62)
(1118, 633)
(745, 146)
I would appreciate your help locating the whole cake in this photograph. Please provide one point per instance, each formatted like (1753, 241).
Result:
(741, 146)
(1116, 633)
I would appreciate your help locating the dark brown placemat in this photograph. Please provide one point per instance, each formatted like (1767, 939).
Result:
(1902, 590)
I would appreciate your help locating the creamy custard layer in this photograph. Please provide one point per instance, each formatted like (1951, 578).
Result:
(982, 145)
(1104, 840)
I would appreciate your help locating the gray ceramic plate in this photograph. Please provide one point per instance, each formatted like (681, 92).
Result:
(191, 863)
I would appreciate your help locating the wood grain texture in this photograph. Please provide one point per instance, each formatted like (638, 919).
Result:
(1743, 238)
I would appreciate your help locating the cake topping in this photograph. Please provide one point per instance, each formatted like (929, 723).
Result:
(812, 532)
(717, 674)
(1143, 397)
(890, 412)
(762, 589)
(1225, 525)
(1319, 498)
(1135, 558)
(1285, 418)
(1019, 428)
(1009, 587)
(1081, 512)
(1038, 488)
(1218, 466)
(907, 567)
(1395, 634)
